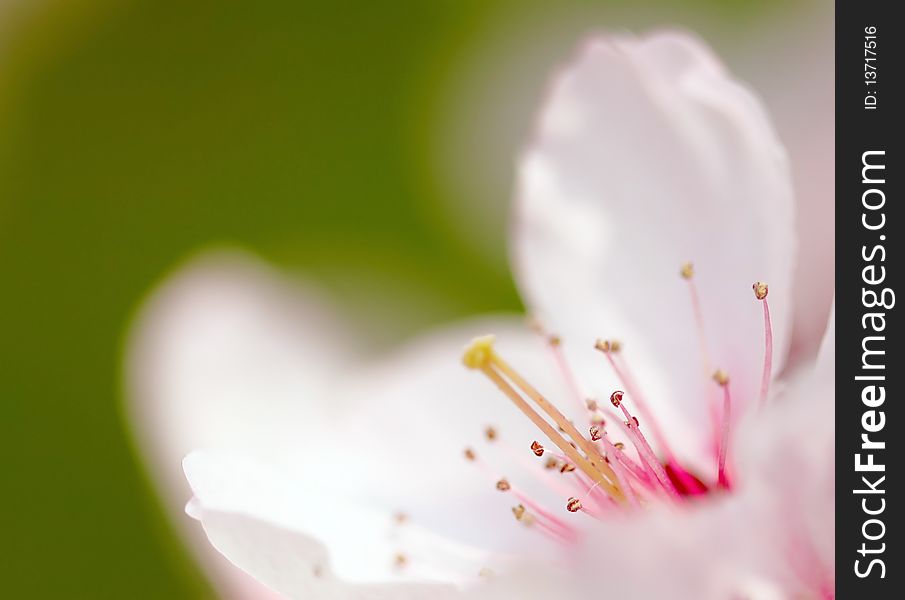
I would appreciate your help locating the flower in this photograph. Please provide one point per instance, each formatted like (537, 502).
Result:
(686, 459)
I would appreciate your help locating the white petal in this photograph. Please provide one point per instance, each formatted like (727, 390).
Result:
(278, 529)
(648, 154)
(226, 353)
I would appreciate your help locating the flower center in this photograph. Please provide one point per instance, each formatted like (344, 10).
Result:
(600, 476)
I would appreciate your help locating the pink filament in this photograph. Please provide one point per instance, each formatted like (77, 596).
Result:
(768, 354)
(699, 322)
(724, 438)
(647, 455)
(620, 472)
(625, 377)
(567, 374)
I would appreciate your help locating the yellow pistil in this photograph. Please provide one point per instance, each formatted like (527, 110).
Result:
(481, 356)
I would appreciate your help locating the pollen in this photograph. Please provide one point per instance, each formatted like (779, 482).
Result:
(503, 485)
(721, 377)
(761, 290)
(479, 352)
(573, 505)
(537, 448)
(687, 270)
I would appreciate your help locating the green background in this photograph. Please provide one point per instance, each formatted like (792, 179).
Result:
(134, 133)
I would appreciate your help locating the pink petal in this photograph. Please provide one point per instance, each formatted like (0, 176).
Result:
(648, 154)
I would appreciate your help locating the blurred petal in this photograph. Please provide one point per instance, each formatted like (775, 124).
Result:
(278, 529)
(648, 154)
(787, 457)
(226, 353)
(826, 357)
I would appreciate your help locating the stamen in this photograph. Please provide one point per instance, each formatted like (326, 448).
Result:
(722, 379)
(629, 382)
(595, 432)
(490, 433)
(469, 454)
(503, 485)
(688, 274)
(573, 505)
(619, 469)
(400, 560)
(760, 292)
(555, 344)
(400, 518)
(644, 450)
(551, 463)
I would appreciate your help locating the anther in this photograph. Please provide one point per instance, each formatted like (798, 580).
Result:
(400, 560)
(567, 468)
(490, 433)
(595, 433)
(591, 404)
(760, 290)
(551, 463)
(519, 512)
(469, 454)
(554, 340)
(687, 271)
(537, 448)
(486, 573)
(573, 505)
(619, 446)
(721, 377)
(400, 518)
(479, 352)
(616, 398)
(503, 485)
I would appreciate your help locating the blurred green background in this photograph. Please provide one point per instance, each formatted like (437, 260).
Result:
(133, 133)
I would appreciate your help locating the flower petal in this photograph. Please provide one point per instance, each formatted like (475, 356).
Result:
(648, 154)
(226, 353)
(278, 529)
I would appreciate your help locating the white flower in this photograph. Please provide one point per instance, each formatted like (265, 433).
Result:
(323, 475)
